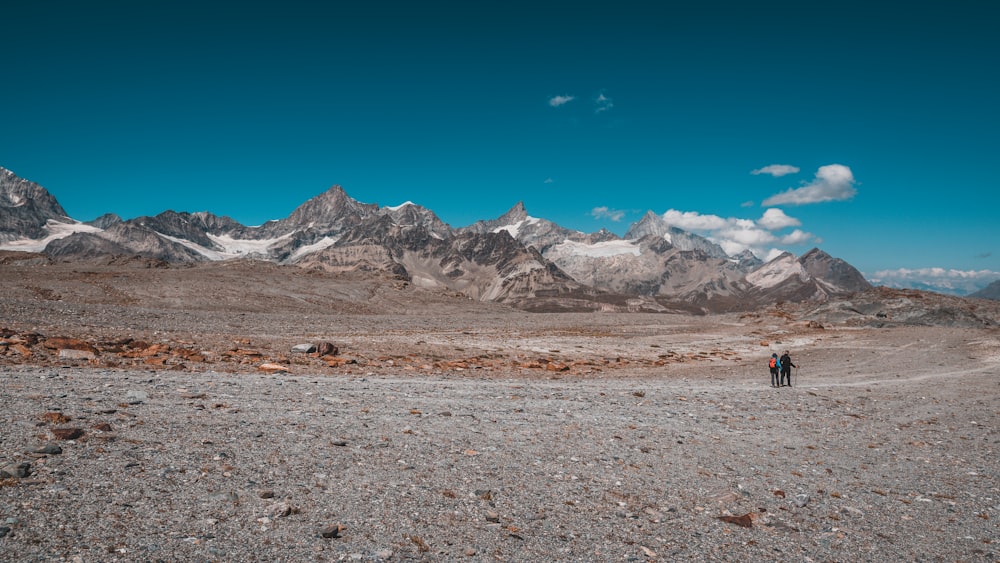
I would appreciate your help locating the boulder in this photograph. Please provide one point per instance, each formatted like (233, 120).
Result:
(65, 343)
(74, 354)
(327, 349)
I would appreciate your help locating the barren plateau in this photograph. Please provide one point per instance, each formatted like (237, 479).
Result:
(160, 413)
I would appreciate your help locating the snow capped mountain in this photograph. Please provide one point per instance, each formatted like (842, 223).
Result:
(816, 276)
(528, 230)
(777, 271)
(26, 209)
(652, 224)
(526, 261)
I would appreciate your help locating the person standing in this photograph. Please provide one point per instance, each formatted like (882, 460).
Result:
(774, 365)
(786, 365)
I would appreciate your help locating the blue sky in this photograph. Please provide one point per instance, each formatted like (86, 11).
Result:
(869, 129)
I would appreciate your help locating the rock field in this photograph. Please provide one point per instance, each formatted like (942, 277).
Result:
(137, 423)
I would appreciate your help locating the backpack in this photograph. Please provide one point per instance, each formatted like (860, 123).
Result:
(773, 363)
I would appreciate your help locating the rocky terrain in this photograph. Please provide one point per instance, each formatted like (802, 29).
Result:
(246, 411)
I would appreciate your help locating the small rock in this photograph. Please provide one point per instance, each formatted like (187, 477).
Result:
(67, 433)
(744, 521)
(280, 510)
(303, 348)
(136, 397)
(492, 516)
(266, 494)
(273, 368)
(332, 531)
(18, 470)
(49, 449)
(851, 511)
(801, 500)
(4, 530)
(55, 418)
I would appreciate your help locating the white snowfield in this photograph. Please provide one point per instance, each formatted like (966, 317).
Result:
(600, 249)
(56, 230)
(515, 229)
(773, 273)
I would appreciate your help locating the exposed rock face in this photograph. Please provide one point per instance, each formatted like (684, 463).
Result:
(814, 277)
(105, 221)
(25, 208)
(532, 231)
(837, 274)
(129, 238)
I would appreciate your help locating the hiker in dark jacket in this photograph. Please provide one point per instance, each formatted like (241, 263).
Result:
(786, 369)
(773, 364)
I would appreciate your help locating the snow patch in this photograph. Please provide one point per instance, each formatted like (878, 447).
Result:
(600, 249)
(245, 247)
(400, 206)
(231, 248)
(777, 271)
(56, 230)
(322, 243)
(515, 229)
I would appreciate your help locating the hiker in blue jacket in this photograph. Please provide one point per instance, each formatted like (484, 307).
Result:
(786, 365)
(774, 364)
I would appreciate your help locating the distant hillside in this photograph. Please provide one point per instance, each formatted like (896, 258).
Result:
(991, 291)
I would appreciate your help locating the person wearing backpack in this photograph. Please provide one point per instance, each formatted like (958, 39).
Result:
(786, 365)
(774, 364)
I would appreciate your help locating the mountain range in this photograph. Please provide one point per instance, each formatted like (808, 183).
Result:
(517, 259)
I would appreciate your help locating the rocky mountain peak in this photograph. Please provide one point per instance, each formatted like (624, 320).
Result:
(412, 215)
(514, 215)
(834, 271)
(650, 224)
(330, 208)
(25, 208)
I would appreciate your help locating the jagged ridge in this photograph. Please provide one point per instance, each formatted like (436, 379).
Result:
(518, 259)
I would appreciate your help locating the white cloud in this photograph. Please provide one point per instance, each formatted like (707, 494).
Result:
(604, 212)
(603, 103)
(736, 235)
(772, 254)
(796, 237)
(557, 101)
(939, 273)
(776, 170)
(833, 182)
(774, 219)
(548, 181)
(693, 221)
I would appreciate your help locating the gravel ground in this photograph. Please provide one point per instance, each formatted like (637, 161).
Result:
(238, 467)
(472, 432)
